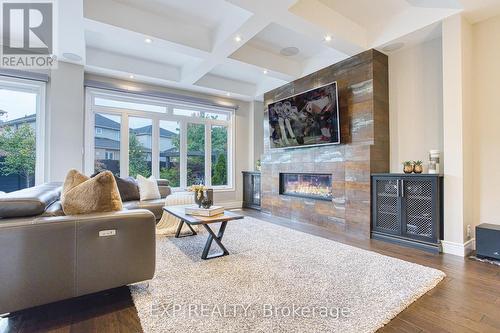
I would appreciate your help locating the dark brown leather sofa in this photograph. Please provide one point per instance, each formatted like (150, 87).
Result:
(46, 256)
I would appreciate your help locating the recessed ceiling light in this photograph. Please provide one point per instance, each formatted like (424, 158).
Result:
(131, 76)
(327, 38)
(238, 39)
(393, 47)
(264, 71)
(148, 40)
(289, 51)
(228, 94)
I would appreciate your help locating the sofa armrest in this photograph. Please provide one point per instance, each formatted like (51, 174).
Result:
(113, 249)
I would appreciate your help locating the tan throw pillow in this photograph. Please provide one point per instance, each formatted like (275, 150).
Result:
(84, 195)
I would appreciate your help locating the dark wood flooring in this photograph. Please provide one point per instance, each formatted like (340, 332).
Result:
(467, 300)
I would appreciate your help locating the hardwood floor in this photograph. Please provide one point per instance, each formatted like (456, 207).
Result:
(467, 300)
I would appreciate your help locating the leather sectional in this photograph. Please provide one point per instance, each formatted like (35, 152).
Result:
(46, 256)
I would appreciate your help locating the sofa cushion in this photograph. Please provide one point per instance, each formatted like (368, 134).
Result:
(148, 188)
(129, 190)
(55, 209)
(154, 206)
(83, 195)
(29, 201)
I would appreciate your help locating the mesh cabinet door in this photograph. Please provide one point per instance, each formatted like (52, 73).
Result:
(419, 209)
(256, 190)
(387, 206)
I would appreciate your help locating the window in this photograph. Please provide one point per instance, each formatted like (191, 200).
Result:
(219, 140)
(139, 146)
(107, 143)
(21, 133)
(185, 144)
(195, 154)
(187, 113)
(113, 103)
(170, 161)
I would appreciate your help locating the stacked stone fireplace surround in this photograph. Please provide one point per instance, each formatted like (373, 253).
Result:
(363, 98)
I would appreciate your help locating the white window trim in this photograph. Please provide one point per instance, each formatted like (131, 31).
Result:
(91, 109)
(38, 88)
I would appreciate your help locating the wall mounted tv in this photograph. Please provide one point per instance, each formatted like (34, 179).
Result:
(310, 118)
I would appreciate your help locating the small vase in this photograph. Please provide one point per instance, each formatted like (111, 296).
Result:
(198, 197)
(206, 203)
(408, 168)
(418, 168)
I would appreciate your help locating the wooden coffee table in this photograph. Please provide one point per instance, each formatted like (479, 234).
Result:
(190, 220)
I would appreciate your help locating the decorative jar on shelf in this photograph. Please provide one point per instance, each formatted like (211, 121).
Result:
(417, 167)
(407, 167)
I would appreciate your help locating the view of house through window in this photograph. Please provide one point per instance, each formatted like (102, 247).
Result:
(182, 144)
(170, 168)
(107, 143)
(139, 146)
(18, 136)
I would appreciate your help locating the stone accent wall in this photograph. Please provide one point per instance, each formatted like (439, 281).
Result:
(363, 95)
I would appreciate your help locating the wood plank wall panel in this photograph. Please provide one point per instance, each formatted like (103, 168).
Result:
(362, 82)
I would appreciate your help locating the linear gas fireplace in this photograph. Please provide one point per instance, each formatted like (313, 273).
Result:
(306, 185)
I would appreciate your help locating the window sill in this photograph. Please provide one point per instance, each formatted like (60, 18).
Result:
(216, 189)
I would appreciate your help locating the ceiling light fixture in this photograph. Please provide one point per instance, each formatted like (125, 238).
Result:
(264, 71)
(131, 76)
(327, 38)
(228, 94)
(238, 39)
(148, 40)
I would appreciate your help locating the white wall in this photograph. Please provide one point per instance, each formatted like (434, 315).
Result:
(415, 103)
(243, 146)
(256, 132)
(64, 123)
(486, 101)
(457, 44)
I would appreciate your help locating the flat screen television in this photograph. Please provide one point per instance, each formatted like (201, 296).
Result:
(306, 119)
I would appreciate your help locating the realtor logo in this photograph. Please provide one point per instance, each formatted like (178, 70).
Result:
(27, 34)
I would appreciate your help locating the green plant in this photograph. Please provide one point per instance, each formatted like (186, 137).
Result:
(417, 163)
(138, 164)
(407, 163)
(219, 173)
(19, 149)
(172, 175)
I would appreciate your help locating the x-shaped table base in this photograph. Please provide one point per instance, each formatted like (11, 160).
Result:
(211, 237)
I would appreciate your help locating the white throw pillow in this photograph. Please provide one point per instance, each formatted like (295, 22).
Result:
(148, 188)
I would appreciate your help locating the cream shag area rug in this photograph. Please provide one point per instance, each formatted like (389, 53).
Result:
(275, 280)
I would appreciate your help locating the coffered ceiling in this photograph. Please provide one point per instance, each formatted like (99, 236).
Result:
(240, 48)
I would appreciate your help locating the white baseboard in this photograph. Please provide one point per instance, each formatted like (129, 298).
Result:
(459, 249)
(230, 204)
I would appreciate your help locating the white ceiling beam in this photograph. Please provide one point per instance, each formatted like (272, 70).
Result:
(224, 49)
(229, 85)
(128, 65)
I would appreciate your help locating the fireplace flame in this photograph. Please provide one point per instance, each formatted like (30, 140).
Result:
(308, 189)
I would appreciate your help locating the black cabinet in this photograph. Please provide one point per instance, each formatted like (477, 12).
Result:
(251, 189)
(408, 209)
